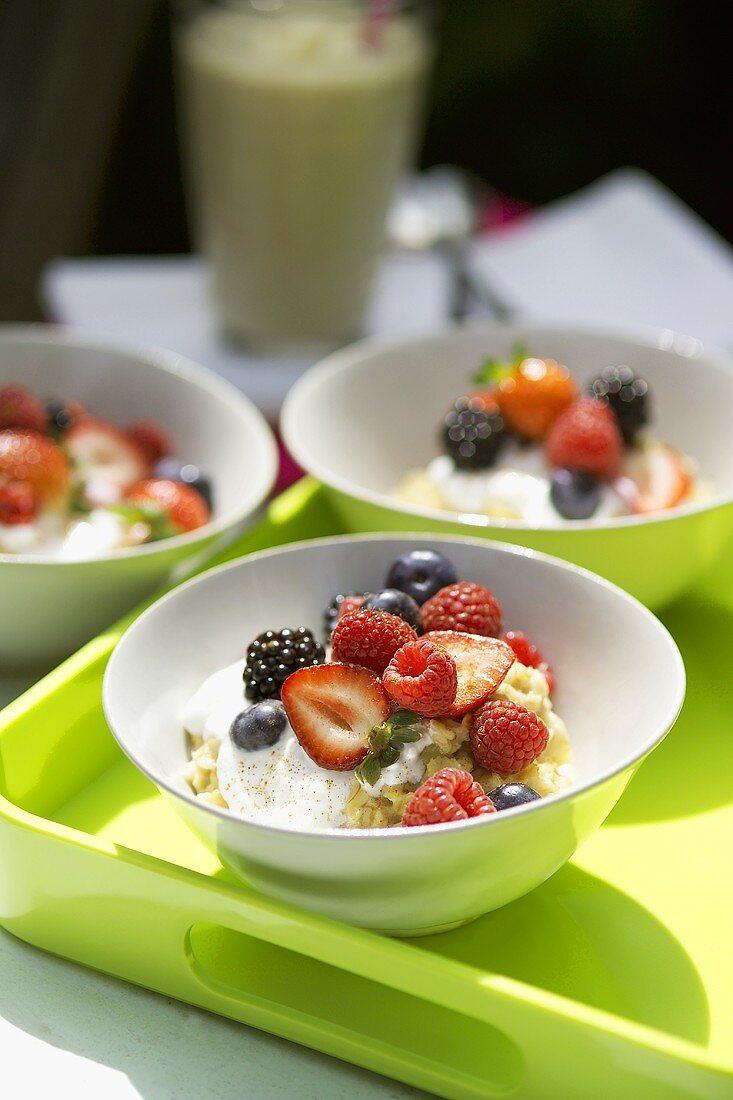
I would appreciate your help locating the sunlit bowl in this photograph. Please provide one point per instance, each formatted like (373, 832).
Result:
(620, 681)
(365, 416)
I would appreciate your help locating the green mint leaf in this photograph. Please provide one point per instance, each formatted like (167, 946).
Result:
(369, 770)
(390, 755)
(403, 717)
(520, 351)
(493, 371)
(406, 736)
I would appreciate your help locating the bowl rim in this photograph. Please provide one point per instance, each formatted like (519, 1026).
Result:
(168, 362)
(354, 355)
(343, 834)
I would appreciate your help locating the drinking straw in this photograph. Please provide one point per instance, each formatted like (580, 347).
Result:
(375, 21)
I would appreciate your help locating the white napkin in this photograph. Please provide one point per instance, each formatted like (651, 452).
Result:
(623, 253)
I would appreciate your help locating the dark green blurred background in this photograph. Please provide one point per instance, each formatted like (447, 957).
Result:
(539, 98)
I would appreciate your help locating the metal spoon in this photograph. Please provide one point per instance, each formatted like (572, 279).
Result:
(439, 209)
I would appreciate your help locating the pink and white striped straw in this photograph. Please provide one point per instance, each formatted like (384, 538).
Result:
(377, 15)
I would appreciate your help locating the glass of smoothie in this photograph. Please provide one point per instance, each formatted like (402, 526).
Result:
(300, 117)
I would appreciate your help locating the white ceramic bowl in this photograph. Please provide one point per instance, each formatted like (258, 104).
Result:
(49, 608)
(369, 413)
(621, 684)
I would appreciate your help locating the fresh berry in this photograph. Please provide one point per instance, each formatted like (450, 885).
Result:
(627, 395)
(343, 603)
(333, 709)
(506, 738)
(63, 415)
(370, 639)
(473, 433)
(528, 654)
(19, 408)
(397, 603)
(660, 476)
(260, 726)
(464, 606)
(37, 461)
(421, 573)
(575, 494)
(181, 506)
(187, 473)
(449, 795)
(17, 503)
(512, 794)
(152, 438)
(274, 655)
(422, 677)
(532, 397)
(97, 447)
(586, 437)
(481, 665)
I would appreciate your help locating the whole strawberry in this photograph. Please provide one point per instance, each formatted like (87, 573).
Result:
(534, 395)
(586, 437)
(506, 738)
(422, 677)
(33, 459)
(449, 795)
(370, 638)
(463, 606)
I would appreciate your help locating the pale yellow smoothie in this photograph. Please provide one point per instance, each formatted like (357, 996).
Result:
(297, 132)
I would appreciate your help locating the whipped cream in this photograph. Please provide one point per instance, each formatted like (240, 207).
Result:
(281, 785)
(517, 489)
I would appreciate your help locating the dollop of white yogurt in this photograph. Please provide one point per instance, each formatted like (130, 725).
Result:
(518, 489)
(280, 785)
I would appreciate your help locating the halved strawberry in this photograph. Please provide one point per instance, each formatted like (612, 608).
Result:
(152, 437)
(101, 450)
(33, 459)
(660, 474)
(332, 709)
(180, 506)
(481, 664)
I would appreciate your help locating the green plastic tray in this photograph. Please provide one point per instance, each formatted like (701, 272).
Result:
(614, 978)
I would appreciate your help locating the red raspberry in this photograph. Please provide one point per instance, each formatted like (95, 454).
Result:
(152, 438)
(17, 503)
(422, 677)
(505, 738)
(370, 639)
(449, 795)
(464, 606)
(586, 437)
(349, 605)
(528, 654)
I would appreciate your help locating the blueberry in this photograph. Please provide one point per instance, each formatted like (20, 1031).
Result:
(60, 418)
(421, 573)
(574, 493)
(188, 474)
(259, 727)
(397, 603)
(512, 794)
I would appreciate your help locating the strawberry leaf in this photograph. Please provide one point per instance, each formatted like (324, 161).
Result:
(390, 755)
(406, 736)
(493, 371)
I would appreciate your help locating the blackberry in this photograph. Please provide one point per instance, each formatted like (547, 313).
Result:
(274, 655)
(474, 433)
(627, 395)
(331, 614)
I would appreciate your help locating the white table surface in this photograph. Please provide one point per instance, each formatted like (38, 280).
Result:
(66, 1032)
